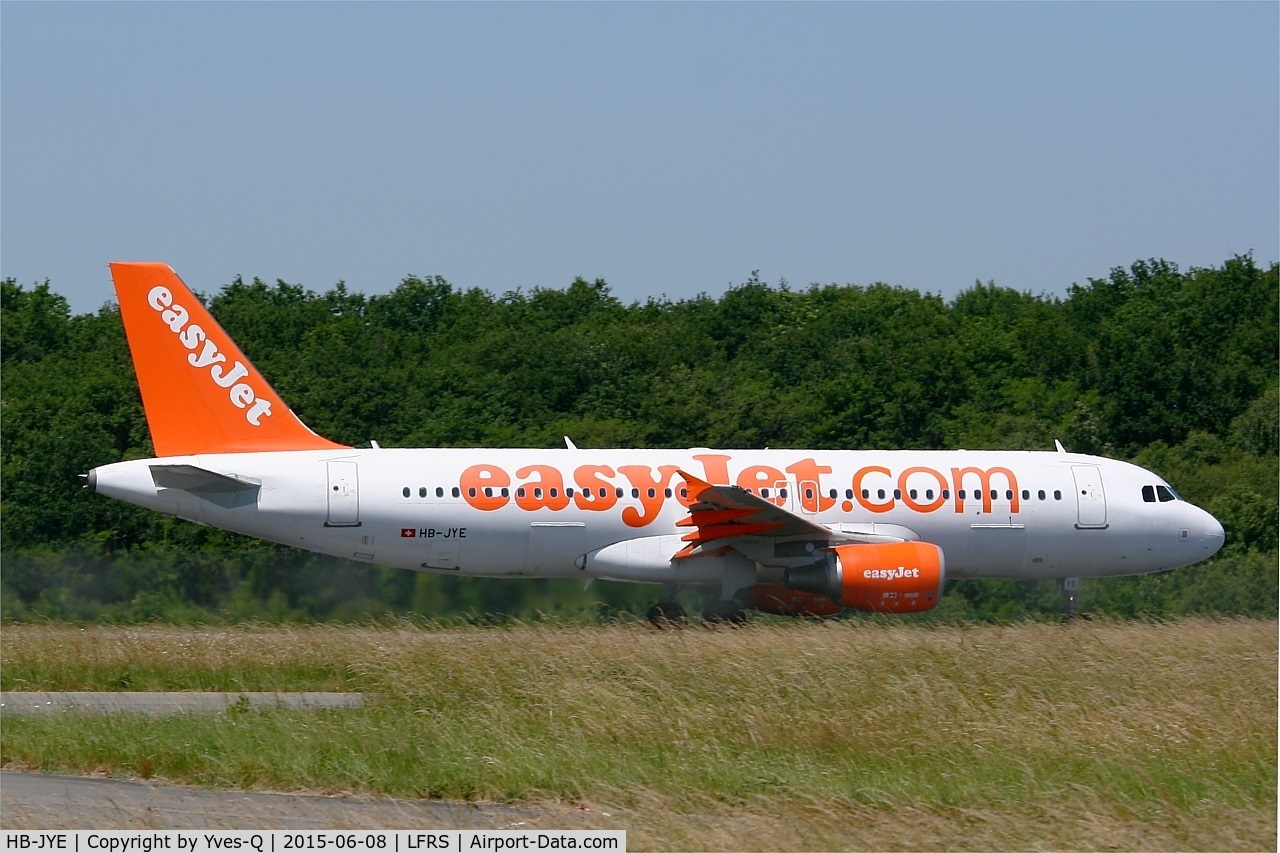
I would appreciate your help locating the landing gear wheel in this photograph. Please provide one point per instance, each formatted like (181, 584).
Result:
(1069, 589)
(724, 612)
(666, 614)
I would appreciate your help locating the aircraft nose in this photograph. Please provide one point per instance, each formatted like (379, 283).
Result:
(1214, 535)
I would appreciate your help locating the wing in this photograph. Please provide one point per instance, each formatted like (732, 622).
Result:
(721, 513)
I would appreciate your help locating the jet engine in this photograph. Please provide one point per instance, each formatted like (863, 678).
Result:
(897, 577)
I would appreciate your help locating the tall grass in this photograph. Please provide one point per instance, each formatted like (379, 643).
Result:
(1135, 734)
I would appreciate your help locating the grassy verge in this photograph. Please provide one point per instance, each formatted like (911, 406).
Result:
(1084, 735)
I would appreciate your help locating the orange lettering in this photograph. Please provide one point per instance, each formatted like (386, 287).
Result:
(715, 468)
(544, 493)
(596, 493)
(641, 477)
(911, 502)
(984, 477)
(475, 479)
(808, 483)
(866, 501)
(757, 477)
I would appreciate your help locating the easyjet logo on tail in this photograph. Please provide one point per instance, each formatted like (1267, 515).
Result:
(206, 355)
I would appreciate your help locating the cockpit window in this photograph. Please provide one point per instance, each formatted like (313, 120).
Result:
(1149, 494)
(1165, 494)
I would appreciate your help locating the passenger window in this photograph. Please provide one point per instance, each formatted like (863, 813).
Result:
(946, 494)
(880, 494)
(865, 494)
(1026, 495)
(1149, 494)
(619, 492)
(668, 493)
(422, 491)
(833, 494)
(848, 493)
(456, 492)
(488, 491)
(405, 492)
(1040, 494)
(928, 494)
(652, 493)
(912, 493)
(764, 493)
(635, 493)
(439, 491)
(1057, 495)
(520, 492)
(471, 492)
(505, 493)
(782, 493)
(960, 494)
(568, 492)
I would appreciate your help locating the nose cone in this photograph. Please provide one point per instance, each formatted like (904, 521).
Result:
(1214, 535)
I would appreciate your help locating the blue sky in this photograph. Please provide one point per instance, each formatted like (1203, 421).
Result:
(669, 148)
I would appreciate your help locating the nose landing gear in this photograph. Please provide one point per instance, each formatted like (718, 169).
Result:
(1069, 589)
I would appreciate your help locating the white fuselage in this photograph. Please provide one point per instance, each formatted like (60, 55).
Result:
(553, 513)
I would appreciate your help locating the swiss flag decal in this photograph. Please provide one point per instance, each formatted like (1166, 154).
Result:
(408, 532)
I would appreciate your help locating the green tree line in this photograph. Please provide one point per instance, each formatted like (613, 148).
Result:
(1175, 370)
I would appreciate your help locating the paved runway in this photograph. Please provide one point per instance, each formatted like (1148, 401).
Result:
(168, 703)
(38, 801)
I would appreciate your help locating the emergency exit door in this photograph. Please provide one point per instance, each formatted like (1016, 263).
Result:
(344, 495)
(1091, 501)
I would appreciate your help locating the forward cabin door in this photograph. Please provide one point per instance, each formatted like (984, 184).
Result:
(344, 495)
(1091, 501)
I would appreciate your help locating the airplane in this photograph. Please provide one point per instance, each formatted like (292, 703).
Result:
(793, 532)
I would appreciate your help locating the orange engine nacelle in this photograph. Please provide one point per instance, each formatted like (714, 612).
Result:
(777, 599)
(898, 577)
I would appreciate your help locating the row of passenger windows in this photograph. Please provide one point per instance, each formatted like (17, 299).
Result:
(973, 494)
(554, 492)
(881, 494)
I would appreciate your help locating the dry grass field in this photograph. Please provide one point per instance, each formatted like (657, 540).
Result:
(832, 735)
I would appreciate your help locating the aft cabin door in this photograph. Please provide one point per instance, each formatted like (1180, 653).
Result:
(344, 495)
(1090, 499)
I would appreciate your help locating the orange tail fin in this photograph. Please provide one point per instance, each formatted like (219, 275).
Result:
(200, 393)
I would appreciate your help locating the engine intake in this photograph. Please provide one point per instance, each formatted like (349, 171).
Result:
(898, 577)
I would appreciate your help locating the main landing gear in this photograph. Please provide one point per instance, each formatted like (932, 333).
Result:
(724, 612)
(669, 613)
(666, 614)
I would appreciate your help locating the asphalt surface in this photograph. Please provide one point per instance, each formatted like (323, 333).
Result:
(38, 801)
(41, 801)
(167, 703)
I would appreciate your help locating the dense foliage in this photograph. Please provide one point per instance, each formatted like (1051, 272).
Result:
(1174, 370)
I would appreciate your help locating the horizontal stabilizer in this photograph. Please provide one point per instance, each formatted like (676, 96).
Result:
(200, 481)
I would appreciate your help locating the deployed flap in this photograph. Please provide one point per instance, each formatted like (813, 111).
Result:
(199, 481)
(721, 512)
